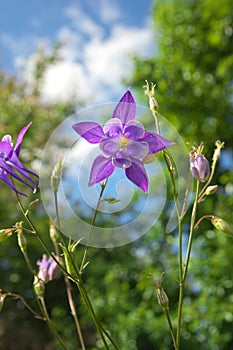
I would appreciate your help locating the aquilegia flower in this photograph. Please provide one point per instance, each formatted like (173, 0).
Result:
(123, 142)
(48, 269)
(10, 163)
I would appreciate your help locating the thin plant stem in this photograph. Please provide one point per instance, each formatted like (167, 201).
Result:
(170, 167)
(50, 323)
(36, 233)
(103, 186)
(74, 313)
(17, 296)
(67, 281)
(79, 283)
(171, 328)
(183, 280)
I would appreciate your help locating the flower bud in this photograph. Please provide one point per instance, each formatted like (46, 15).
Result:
(2, 299)
(56, 176)
(217, 153)
(5, 233)
(211, 190)
(38, 286)
(199, 166)
(22, 242)
(53, 233)
(222, 225)
(162, 298)
(154, 106)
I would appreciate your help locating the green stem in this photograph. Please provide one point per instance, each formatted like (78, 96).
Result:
(17, 296)
(171, 327)
(183, 279)
(50, 324)
(78, 281)
(74, 313)
(103, 186)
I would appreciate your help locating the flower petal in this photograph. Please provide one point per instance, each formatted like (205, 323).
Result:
(4, 178)
(5, 167)
(137, 174)
(20, 138)
(155, 142)
(6, 150)
(125, 110)
(113, 128)
(138, 150)
(90, 131)
(101, 169)
(134, 130)
(122, 160)
(109, 147)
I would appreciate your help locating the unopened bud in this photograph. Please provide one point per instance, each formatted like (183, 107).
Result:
(38, 286)
(222, 225)
(22, 242)
(211, 190)
(217, 153)
(199, 166)
(162, 298)
(33, 204)
(5, 233)
(150, 92)
(56, 176)
(2, 299)
(154, 106)
(53, 233)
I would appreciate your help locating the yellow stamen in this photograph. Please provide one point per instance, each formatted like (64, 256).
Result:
(124, 141)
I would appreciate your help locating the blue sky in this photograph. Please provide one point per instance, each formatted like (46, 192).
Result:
(97, 35)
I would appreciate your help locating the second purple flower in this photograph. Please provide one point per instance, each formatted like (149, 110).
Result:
(123, 142)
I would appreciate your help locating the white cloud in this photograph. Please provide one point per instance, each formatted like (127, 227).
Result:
(95, 57)
(108, 11)
(93, 69)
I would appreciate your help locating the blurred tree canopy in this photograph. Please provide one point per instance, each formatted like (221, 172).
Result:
(192, 67)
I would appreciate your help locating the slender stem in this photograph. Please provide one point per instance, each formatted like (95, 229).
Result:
(80, 284)
(170, 327)
(34, 231)
(183, 280)
(17, 296)
(73, 312)
(103, 186)
(50, 324)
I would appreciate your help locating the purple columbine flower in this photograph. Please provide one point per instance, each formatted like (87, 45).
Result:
(123, 142)
(9, 163)
(48, 269)
(199, 166)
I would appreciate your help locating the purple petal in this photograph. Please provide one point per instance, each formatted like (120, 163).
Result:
(134, 130)
(8, 139)
(122, 160)
(6, 150)
(5, 167)
(4, 178)
(155, 142)
(113, 128)
(137, 174)
(138, 150)
(125, 110)
(20, 138)
(90, 131)
(101, 169)
(109, 147)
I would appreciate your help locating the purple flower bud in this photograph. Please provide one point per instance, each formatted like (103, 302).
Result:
(48, 269)
(199, 166)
